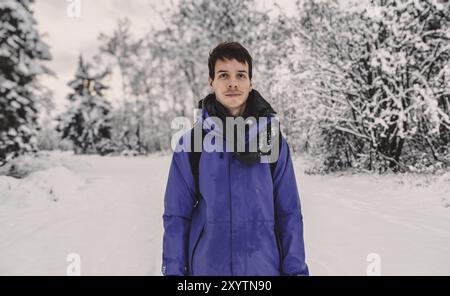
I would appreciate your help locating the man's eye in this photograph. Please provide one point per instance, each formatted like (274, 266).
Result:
(222, 75)
(241, 76)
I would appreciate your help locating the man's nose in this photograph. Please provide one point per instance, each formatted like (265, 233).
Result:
(232, 83)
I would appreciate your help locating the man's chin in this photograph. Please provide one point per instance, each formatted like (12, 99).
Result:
(234, 102)
(233, 106)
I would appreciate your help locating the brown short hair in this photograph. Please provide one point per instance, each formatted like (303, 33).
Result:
(229, 50)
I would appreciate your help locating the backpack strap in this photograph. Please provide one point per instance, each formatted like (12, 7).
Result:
(194, 161)
(270, 140)
(273, 166)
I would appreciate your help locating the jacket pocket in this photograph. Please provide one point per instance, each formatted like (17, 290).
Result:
(195, 248)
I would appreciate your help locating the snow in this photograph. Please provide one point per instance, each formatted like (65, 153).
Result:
(40, 187)
(402, 219)
(109, 211)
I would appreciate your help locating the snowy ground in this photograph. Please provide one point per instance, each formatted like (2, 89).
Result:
(109, 211)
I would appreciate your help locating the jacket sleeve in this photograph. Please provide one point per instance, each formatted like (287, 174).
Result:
(179, 202)
(288, 215)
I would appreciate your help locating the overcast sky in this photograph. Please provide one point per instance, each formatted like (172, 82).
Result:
(69, 36)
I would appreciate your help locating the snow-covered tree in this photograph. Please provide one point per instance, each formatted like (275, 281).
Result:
(378, 81)
(165, 72)
(144, 77)
(21, 50)
(279, 77)
(411, 74)
(123, 51)
(196, 26)
(87, 122)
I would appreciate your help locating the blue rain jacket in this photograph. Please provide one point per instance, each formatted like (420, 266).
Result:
(248, 220)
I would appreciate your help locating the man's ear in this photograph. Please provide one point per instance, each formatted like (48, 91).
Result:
(210, 81)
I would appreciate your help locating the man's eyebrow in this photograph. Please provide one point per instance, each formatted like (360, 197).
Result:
(225, 71)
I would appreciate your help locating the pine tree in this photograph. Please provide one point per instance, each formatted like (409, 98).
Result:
(21, 50)
(87, 122)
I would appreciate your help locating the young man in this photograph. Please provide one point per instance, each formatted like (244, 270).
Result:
(229, 213)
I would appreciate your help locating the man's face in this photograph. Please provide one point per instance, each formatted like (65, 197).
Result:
(231, 85)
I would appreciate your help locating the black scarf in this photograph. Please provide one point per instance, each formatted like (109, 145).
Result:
(256, 106)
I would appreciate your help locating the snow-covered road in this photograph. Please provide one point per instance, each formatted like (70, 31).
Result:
(109, 211)
(349, 217)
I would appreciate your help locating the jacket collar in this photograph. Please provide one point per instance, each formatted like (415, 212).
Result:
(256, 106)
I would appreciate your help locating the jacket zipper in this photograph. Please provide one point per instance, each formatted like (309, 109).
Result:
(195, 248)
(231, 211)
(278, 241)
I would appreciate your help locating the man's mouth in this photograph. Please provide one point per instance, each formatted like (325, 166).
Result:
(232, 94)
